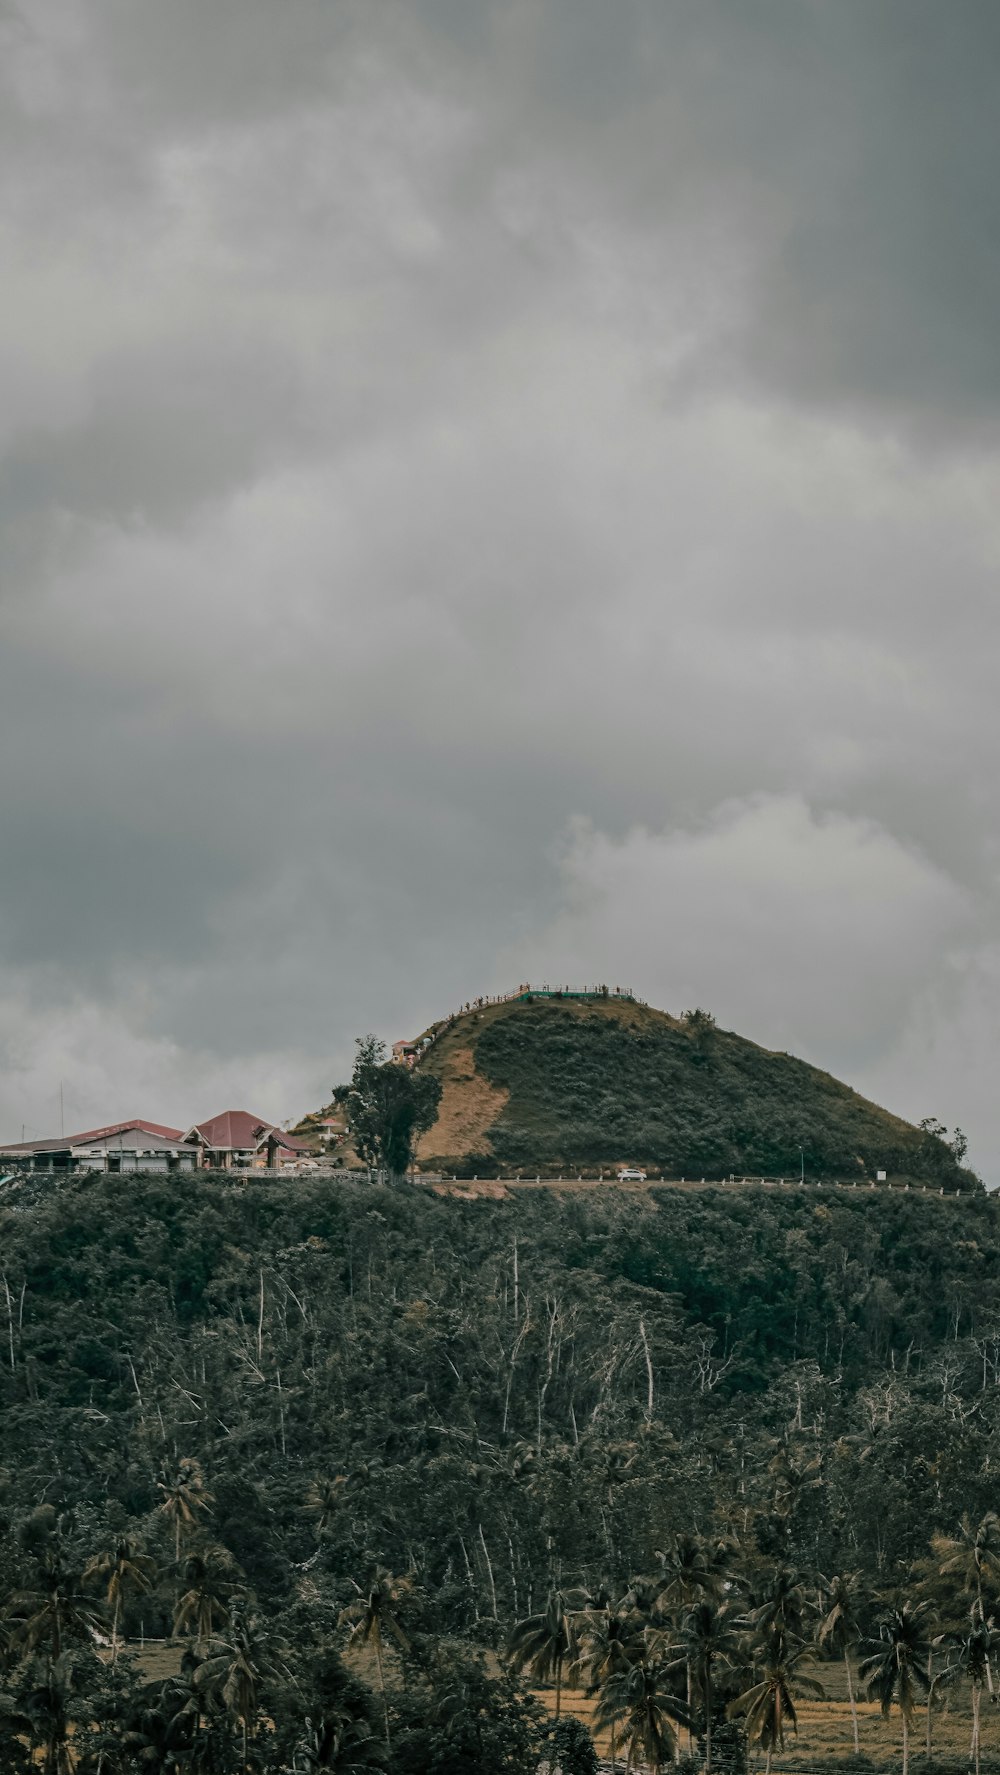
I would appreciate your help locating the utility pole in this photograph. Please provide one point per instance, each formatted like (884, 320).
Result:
(62, 1118)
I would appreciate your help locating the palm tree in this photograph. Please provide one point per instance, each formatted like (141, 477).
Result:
(781, 1608)
(975, 1651)
(234, 1672)
(840, 1629)
(44, 1717)
(373, 1616)
(210, 1585)
(542, 1644)
(641, 1703)
(973, 1555)
(709, 1638)
(338, 1743)
(607, 1645)
(120, 1570)
(54, 1612)
(186, 1499)
(895, 1671)
(768, 1704)
(325, 1500)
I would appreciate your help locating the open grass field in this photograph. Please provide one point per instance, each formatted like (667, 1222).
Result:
(825, 1737)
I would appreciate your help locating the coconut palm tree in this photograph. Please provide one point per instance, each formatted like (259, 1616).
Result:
(781, 1607)
(234, 1672)
(186, 1500)
(372, 1617)
(542, 1644)
(640, 1703)
(54, 1613)
(338, 1743)
(974, 1652)
(894, 1672)
(120, 1570)
(709, 1639)
(768, 1704)
(204, 1604)
(973, 1556)
(840, 1629)
(607, 1644)
(44, 1716)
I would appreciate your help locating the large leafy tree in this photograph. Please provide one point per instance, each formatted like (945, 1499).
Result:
(387, 1106)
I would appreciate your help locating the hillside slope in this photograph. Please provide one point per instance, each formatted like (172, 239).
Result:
(558, 1085)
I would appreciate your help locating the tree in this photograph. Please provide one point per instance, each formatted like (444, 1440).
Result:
(53, 1613)
(542, 1644)
(700, 1026)
(185, 1501)
(840, 1629)
(120, 1571)
(975, 1651)
(372, 1617)
(895, 1671)
(204, 1604)
(768, 1705)
(642, 1704)
(463, 1719)
(709, 1638)
(608, 1644)
(387, 1105)
(46, 1715)
(973, 1556)
(233, 1674)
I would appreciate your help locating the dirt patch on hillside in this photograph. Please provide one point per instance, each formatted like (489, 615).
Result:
(469, 1107)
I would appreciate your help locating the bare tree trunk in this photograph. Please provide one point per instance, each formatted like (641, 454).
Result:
(489, 1570)
(385, 1700)
(906, 1746)
(649, 1371)
(850, 1697)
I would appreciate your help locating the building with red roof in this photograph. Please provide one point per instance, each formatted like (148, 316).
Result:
(238, 1141)
(137, 1145)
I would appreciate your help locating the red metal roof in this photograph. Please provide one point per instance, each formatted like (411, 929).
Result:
(235, 1130)
(124, 1128)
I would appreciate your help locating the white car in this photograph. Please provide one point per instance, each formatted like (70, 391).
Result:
(628, 1175)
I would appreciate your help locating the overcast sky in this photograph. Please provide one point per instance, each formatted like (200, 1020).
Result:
(496, 489)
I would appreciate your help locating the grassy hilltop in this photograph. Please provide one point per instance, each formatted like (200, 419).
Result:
(564, 1085)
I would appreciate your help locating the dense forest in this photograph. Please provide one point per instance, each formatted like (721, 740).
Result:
(374, 1459)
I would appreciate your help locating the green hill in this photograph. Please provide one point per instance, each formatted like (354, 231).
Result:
(564, 1086)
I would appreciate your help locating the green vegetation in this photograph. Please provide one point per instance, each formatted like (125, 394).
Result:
(346, 1446)
(587, 1085)
(386, 1106)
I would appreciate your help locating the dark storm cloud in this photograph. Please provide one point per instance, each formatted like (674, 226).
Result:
(493, 486)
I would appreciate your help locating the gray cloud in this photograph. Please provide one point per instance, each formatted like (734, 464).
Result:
(430, 427)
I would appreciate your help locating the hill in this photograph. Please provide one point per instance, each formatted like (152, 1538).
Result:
(563, 1085)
